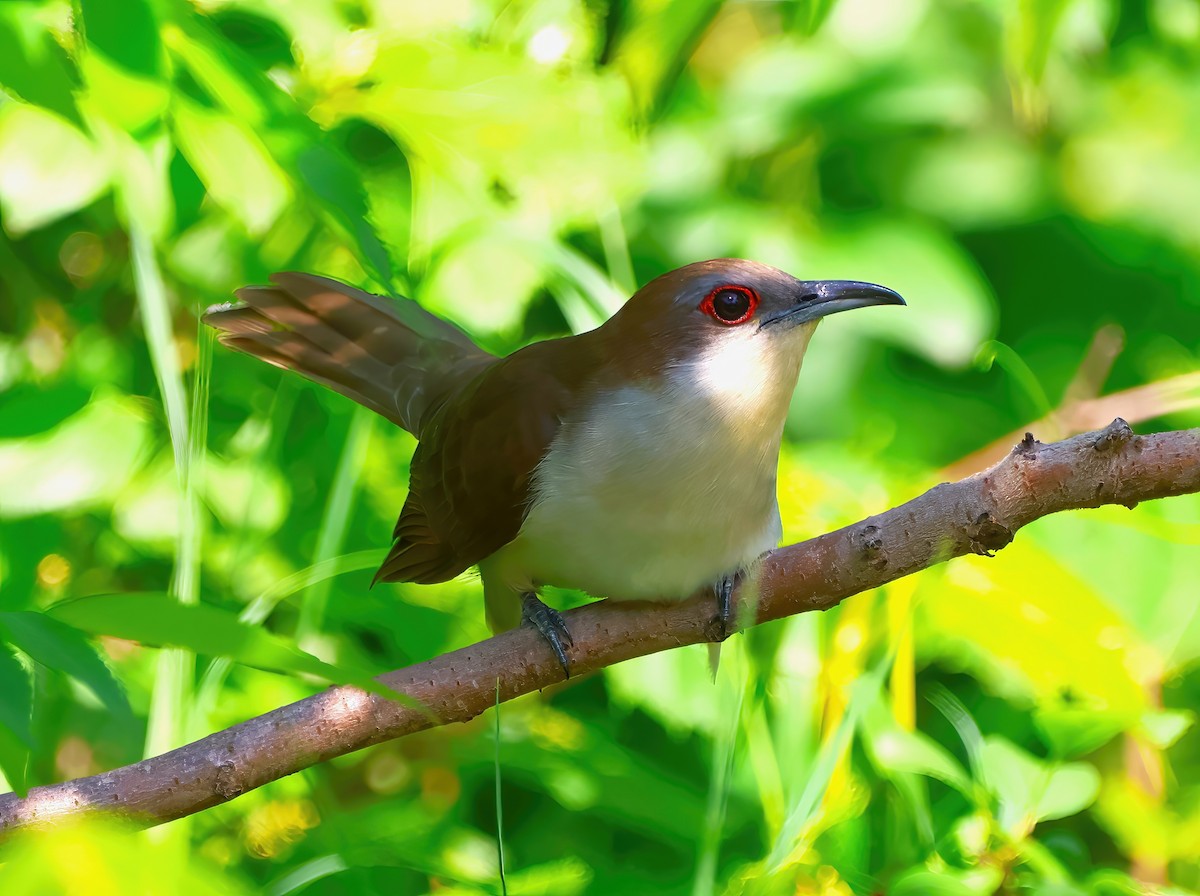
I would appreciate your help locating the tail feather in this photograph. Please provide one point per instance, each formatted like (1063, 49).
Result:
(361, 317)
(292, 352)
(391, 356)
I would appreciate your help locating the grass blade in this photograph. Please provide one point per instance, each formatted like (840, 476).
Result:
(704, 883)
(499, 801)
(866, 691)
(169, 701)
(335, 521)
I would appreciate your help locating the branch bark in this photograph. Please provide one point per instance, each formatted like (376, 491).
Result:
(979, 515)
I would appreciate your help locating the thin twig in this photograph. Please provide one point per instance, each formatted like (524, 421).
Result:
(1079, 414)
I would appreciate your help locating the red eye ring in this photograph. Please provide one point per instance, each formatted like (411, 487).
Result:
(730, 305)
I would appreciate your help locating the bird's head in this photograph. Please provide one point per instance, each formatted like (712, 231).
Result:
(719, 345)
(732, 295)
(737, 314)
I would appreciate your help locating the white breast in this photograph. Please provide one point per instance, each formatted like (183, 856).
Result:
(658, 491)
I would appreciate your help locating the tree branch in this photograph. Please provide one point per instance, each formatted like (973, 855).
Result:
(979, 515)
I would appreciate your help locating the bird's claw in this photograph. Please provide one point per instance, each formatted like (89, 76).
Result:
(725, 617)
(552, 626)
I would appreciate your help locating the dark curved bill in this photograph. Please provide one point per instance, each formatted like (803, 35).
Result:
(818, 298)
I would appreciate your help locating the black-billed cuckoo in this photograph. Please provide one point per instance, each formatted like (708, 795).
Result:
(636, 461)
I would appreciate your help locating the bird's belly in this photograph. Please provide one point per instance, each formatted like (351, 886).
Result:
(656, 547)
(646, 508)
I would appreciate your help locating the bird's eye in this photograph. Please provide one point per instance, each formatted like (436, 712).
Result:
(730, 304)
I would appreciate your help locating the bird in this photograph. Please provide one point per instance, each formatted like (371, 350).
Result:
(635, 461)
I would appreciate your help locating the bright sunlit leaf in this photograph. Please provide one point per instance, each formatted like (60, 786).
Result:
(233, 163)
(1030, 790)
(48, 167)
(85, 460)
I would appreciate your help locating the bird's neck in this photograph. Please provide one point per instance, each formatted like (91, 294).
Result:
(741, 387)
(733, 389)
(715, 416)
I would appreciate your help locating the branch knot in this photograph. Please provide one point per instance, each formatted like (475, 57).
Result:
(987, 535)
(1028, 446)
(871, 544)
(1114, 436)
(228, 783)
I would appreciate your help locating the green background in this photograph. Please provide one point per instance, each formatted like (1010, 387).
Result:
(1025, 172)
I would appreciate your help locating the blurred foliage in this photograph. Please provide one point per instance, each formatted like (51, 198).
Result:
(186, 535)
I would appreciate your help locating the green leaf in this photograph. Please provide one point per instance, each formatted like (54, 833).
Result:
(65, 649)
(141, 178)
(32, 64)
(122, 64)
(14, 761)
(333, 180)
(155, 620)
(1030, 790)
(1164, 727)
(811, 14)
(1071, 789)
(16, 705)
(1030, 35)
(472, 121)
(125, 32)
(27, 410)
(949, 883)
(48, 167)
(655, 43)
(896, 750)
(16, 696)
(84, 461)
(240, 89)
(233, 163)
(236, 87)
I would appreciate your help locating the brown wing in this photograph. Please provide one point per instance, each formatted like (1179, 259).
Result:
(472, 470)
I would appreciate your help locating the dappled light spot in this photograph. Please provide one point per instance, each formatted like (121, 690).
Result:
(387, 772)
(549, 44)
(440, 787)
(74, 758)
(48, 804)
(277, 825)
(53, 570)
(849, 638)
(557, 730)
(346, 705)
(82, 256)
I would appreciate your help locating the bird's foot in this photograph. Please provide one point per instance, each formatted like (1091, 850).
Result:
(550, 623)
(726, 620)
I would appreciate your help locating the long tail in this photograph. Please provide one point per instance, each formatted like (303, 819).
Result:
(391, 356)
